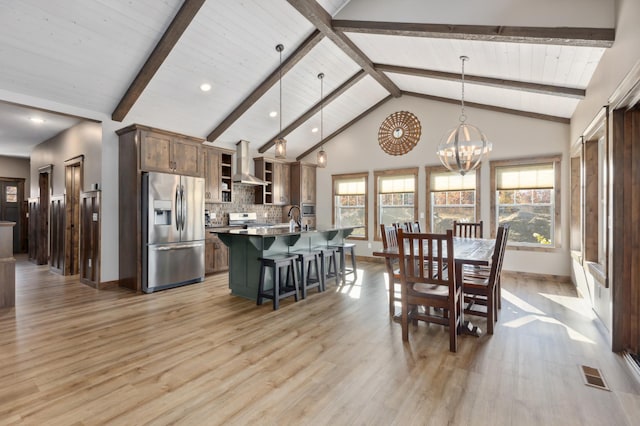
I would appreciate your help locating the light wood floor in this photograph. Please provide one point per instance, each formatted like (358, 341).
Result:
(72, 355)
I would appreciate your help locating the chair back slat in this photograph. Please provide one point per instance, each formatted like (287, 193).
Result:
(467, 229)
(389, 236)
(424, 257)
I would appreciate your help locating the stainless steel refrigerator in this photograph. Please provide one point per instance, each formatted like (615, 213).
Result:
(173, 230)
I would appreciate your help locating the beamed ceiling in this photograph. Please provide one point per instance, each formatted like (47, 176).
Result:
(143, 61)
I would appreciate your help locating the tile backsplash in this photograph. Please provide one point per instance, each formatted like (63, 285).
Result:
(243, 201)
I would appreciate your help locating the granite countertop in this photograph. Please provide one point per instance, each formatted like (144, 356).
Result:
(271, 231)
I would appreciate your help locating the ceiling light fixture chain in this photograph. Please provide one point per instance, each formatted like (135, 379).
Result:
(463, 148)
(322, 154)
(280, 142)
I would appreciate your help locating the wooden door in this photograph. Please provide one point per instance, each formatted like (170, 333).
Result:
(187, 158)
(42, 234)
(56, 250)
(155, 152)
(34, 219)
(73, 185)
(90, 238)
(11, 197)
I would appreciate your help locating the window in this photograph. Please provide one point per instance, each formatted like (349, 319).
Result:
(350, 202)
(526, 195)
(396, 197)
(451, 196)
(11, 195)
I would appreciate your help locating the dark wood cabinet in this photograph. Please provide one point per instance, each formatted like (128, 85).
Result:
(170, 153)
(216, 255)
(217, 175)
(277, 176)
(303, 183)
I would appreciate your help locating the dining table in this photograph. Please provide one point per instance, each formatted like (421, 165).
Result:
(466, 251)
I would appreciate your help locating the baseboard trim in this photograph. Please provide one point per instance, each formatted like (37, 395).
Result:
(562, 279)
(104, 285)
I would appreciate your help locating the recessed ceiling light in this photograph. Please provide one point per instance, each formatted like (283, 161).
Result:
(36, 120)
(273, 114)
(314, 130)
(205, 87)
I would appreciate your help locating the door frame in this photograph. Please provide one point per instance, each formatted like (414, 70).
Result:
(45, 194)
(73, 229)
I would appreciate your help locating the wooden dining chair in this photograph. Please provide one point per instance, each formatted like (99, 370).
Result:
(428, 279)
(467, 229)
(390, 240)
(412, 226)
(481, 286)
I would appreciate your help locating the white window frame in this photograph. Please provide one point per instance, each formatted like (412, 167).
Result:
(336, 179)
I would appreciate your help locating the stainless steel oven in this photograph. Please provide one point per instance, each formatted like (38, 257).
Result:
(308, 210)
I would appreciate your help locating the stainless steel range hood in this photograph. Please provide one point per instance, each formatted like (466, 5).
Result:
(242, 166)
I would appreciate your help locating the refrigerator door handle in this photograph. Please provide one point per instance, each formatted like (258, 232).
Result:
(175, 209)
(184, 208)
(178, 247)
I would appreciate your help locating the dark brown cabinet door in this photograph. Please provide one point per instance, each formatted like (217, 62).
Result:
(212, 172)
(155, 155)
(187, 158)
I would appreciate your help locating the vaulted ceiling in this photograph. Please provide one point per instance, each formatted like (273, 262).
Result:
(143, 61)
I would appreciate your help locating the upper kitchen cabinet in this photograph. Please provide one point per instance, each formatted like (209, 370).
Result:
(168, 152)
(303, 183)
(276, 175)
(217, 175)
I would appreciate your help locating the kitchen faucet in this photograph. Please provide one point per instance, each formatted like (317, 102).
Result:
(298, 222)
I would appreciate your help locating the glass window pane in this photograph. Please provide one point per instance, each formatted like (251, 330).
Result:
(11, 195)
(530, 221)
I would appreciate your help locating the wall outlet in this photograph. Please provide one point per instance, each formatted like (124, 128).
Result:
(421, 215)
(368, 245)
(212, 215)
(266, 214)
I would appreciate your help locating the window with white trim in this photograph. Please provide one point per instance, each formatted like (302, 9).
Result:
(396, 197)
(350, 202)
(527, 197)
(451, 196)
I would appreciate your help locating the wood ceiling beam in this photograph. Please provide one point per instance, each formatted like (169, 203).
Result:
(545, 89)
(168, 40)
(342, 129)
(267, 84)
(319, 17)
(314, 109)
(527, 114)
(587, 37)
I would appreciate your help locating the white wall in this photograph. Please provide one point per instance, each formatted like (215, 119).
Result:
(16, 167)
(357, 150)
(546, 13)
(81, 139)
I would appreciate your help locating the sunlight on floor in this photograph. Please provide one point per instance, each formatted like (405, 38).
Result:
(573, 303)
(352, 288)
(534, 314)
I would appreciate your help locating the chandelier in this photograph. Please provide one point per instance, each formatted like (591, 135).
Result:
(322, 155)
(280, 142)
(463, 148)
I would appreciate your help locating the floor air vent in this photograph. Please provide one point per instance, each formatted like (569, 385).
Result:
(593, 377)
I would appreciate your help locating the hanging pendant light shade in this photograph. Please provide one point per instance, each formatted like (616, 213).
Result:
(463, 148)
(322, 155)
(280, 142)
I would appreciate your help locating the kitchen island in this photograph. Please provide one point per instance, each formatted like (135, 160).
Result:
(247, 246)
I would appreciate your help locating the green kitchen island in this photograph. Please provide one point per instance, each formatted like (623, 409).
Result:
(247, 246)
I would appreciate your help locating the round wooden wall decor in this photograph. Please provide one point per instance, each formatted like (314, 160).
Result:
(399, 133)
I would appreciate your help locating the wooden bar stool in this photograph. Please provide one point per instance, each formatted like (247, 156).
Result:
(309, 260)
(344, 271)
(329, 263)
(279, 263)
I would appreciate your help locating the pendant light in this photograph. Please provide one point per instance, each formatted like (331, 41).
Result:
(463, 148)
(322, 155)
(280, 142)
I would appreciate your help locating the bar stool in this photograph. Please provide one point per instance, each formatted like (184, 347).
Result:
(280, 290)
(344, 271)
(308, 260)
(329, 263)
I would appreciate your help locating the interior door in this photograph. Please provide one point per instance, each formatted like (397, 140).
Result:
(73, 184)
(10, 202)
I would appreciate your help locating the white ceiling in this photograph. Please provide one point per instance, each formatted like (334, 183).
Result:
(86, 53)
